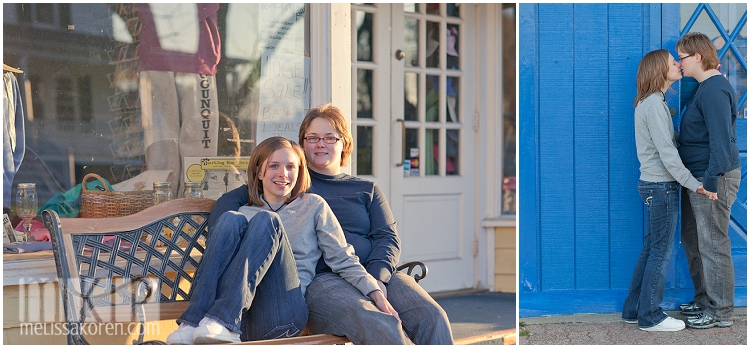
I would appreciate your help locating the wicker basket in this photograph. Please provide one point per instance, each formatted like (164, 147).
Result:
(99, 204)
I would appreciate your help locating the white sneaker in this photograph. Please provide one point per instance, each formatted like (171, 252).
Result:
(210, 331)
(668, 324)
(183, 335)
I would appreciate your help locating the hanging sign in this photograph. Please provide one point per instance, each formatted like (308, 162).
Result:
(284, 95)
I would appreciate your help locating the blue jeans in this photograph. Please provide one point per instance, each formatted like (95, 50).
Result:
(705, 224)
(338, 308)
(247, 280)
(646, 292)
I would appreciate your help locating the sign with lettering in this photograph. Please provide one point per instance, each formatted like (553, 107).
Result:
(284, 95)
(217, 175)
(281, 27)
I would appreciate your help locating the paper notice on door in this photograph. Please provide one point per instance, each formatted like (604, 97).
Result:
(284, 95)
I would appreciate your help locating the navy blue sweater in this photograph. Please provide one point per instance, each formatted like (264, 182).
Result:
(707, 132)
(362, 210)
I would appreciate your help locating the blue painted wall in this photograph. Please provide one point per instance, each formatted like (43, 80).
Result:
(581, 218)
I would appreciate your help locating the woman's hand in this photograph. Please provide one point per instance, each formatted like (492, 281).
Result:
(711, 195)
(383, 288)
(382, 303)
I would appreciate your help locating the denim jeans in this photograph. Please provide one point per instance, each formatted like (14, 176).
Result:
(337, 308)
(705, 224)
(247, 280)
(649, 276)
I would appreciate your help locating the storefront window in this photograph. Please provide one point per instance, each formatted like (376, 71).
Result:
(118, 89)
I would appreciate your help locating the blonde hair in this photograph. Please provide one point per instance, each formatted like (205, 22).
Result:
(693, 43)
(652, 74)
(336, 117)
(257, 165)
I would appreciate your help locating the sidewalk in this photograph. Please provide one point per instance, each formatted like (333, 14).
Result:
(609, 329)
(475, 315)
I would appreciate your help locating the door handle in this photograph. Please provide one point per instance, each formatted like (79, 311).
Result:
(400, 54)
(403, 141)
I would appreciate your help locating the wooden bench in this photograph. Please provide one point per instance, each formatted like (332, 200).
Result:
(140, 267)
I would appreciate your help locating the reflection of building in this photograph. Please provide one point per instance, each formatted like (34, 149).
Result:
(581, 217)
(62, 50)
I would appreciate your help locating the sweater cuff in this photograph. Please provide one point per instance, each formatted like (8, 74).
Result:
(380, 271)
(367, 287)
(711, 183)
(692, 184)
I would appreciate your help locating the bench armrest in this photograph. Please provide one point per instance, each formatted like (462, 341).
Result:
(409, 266)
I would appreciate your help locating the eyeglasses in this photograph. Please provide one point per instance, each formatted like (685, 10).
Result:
(327, 140)
(686, 57)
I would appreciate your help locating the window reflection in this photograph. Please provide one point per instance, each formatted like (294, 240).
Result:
(364, 36)
(364, 93)
(364, 150)
(99, 89)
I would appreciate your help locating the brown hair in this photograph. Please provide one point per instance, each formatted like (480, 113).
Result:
(652, 74)
(257, 165)
(334, 115)
(693, 43)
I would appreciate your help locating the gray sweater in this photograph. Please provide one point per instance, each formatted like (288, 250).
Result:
(655, 142)
(313, 231)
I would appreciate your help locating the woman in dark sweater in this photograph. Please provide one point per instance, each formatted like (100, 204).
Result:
(707, 148)
(335, 307)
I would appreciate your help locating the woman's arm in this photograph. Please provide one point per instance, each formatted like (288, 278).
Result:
(340, 257)
(716, 109)
(386, 246)
(660, 127)
(337, 253)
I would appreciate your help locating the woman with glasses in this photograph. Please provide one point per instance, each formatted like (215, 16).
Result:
(336, 307)
(662, 174)
(708, 149)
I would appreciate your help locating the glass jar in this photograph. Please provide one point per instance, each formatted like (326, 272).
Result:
(26, 206)
(193, 190)
(162, 192)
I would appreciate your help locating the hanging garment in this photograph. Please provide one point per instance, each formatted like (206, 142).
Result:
(14, 139)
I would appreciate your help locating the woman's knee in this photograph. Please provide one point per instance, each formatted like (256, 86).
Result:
(229, 223)
(265, 219)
